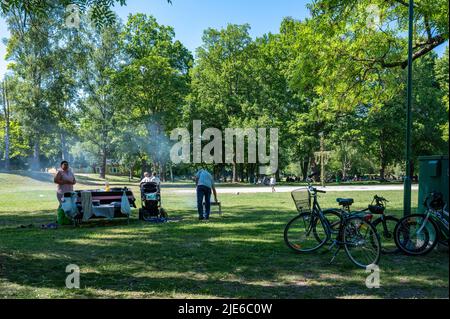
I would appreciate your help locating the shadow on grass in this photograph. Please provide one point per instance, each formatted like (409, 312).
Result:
(37, 176)
(36, 218)
(241, 255)
(227, 271)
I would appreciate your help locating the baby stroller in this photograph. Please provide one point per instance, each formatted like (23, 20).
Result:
(151, 202)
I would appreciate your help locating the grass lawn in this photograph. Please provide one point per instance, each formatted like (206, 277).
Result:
(239, 255)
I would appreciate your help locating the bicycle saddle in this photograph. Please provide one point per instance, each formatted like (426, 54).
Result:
(345, 201)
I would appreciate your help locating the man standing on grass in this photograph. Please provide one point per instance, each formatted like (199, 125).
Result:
(205, 183)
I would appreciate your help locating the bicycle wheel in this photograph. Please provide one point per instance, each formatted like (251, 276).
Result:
(386, 233)
(305, 233)
(412, 238)
(334, 218)
(361, 242)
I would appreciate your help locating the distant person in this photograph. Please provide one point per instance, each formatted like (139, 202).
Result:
(205, 184)
(155, 179)
(65, 179)
(147, 178)
(272, 183)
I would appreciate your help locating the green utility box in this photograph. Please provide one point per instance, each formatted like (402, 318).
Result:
(433, 177)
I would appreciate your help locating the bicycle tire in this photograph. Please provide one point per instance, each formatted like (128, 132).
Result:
(299, 222)
(426, 247)
(351, 231)
(334, 218)
(384, 237)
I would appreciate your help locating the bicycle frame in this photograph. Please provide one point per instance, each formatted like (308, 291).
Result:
(317, 212)
(439, 220)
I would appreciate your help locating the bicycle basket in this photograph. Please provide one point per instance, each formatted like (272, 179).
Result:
(302, 199)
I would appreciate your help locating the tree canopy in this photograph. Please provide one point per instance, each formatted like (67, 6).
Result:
(111, 91)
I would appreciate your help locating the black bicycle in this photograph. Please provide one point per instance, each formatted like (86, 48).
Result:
(310, 231)
(384, 225)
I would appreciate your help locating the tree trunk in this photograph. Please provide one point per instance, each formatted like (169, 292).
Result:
(305, 166)
(241, 172)
(64, 152)
(382, 172)
(162, 172)
(234, 172)
(252, 173)
(103, 165)
(171, 173)
(7, 145)
(315, 170)
(6, 110)
(383, 163)
(143, 167)
(36, 164)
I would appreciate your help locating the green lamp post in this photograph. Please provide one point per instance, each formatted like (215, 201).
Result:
(409, 163)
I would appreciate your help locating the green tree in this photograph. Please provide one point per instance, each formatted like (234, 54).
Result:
(152, 85)
(357, 53)
(442, 76)
(30, 47)
(99, 108)
(100, 10)
(222, 89)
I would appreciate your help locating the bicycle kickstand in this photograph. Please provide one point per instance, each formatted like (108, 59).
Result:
(335, 255)
(332, 245)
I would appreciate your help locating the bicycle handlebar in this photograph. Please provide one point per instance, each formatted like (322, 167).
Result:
(315, 190)
(311, 188)
(380, 199)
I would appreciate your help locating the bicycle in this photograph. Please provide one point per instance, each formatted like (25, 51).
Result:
(310, 231)
(384, 225)
(418, 234)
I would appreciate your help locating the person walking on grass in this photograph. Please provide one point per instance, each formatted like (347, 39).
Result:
(65, 179)
(205, 184)
(272, 183)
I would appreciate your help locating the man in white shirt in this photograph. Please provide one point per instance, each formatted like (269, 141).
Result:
(146, 179)
(205, 185)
